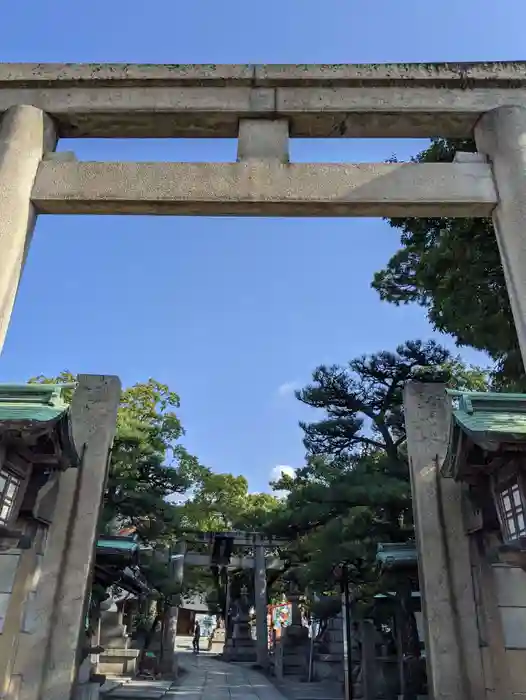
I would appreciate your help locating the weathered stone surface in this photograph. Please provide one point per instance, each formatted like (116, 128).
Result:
(49, 74)
(502, 74)
(451, 635)
(500, 136)
(33, 647)
(396, 100)
(93, 414)
(118, 662)
(26, 133)
(383, 74)
(265, 189)
(263, 139)
(113, 632)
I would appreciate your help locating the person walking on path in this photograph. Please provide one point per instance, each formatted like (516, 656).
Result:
(197, 637)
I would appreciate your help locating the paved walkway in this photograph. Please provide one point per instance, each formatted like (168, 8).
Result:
(204, 678)
(207, 678)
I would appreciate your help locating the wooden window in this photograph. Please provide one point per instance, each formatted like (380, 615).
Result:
(9, 488)
(511, 508)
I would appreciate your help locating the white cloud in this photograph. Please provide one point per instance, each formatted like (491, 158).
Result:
(287, 388)
(281, 469)
(277, 472)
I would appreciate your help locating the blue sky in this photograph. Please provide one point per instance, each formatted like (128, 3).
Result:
(231, 313)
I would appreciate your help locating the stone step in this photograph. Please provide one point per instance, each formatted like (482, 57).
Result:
(142, 690)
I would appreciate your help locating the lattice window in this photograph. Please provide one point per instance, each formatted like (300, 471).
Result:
(511, 506)
(9, 488)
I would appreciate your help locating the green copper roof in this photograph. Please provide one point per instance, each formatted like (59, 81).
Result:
(487, 420)
(124, 544)
(491, 417)
(32, 402)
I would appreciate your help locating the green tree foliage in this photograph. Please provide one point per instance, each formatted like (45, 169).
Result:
(354, 490)
(148, 463)
(338, 510)
(363, 402)
(222, 502)
(452, 268)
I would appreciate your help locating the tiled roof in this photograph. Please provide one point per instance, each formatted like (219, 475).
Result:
(490, 416)
(29, 403)
(116, 543)
(486, 419)
(40, 411)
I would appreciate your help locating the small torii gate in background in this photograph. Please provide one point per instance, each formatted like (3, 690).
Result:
(223, 544)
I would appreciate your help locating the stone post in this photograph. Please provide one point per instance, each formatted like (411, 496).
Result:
(454, 663)
(169, 660)
(93, 415)
(501, 136)
(26, 133)
(260, 588)
(263, 140)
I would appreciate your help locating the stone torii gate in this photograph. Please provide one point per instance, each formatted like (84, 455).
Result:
(259, 562)
(262, 105)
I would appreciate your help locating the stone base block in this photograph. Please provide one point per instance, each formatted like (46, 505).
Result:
(240, 652)
(294, 664)
(118, 662)
(328, 667)
(217, 641)
(216, 647)
(116, 642)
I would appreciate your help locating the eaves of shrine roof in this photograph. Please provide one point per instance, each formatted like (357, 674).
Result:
(32, 412)
(488, 419)
(115, 544)
(32, 402)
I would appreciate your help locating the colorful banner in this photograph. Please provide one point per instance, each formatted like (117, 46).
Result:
(278, 617)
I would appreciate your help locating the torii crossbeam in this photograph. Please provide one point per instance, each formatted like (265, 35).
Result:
(263, 106)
